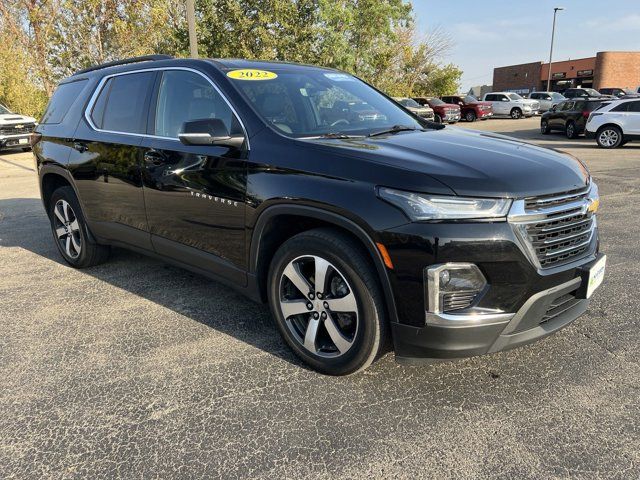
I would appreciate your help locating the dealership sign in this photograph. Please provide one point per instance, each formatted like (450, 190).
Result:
(559, 75)
(585, 73)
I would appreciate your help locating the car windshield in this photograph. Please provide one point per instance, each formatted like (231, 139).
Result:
(470, 99)
(557, 96)
(436, 101)
(515, 96)
(307, 102)
(592, 93)
(4, 110)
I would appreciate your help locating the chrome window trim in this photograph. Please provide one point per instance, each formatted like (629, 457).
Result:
(98, 89)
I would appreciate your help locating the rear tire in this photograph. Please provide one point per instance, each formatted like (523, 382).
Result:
(470, 116)
(70, 231)
(571, 130)
(609, 137)
(339, 327)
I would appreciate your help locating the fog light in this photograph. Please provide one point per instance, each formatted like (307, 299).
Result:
(452, 286)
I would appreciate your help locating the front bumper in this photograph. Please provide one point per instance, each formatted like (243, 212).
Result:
(543, 314)
(15, 141)
(509, 313)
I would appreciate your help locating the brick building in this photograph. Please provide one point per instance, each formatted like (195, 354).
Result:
(606, 69)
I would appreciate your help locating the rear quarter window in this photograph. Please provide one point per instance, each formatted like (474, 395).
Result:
(62, 100)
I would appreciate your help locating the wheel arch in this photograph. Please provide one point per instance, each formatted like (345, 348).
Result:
(278, 223)
(53, 177)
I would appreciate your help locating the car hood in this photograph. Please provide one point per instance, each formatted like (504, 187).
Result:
(11, 118)
(419, 109)
(473, 163)
(448, 105)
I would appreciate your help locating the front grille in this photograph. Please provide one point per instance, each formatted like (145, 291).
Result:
(21, 129)
(458, 300)
(557, 229)
(559, 306)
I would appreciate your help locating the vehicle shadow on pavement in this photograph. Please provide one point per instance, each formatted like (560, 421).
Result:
(23, 224)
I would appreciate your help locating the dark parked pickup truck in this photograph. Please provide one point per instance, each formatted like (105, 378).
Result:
(307, 189)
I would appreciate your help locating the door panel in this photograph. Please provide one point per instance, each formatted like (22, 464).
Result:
(194, 195)
(106, 157)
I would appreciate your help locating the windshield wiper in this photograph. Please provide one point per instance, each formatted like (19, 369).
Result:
(337, 135)
(395, 129)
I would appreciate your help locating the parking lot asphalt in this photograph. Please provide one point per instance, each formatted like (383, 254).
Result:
(139, 369)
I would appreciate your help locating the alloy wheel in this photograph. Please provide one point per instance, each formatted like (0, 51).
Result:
(515, 113)
(319, 306)
(67, 229)
(608, 137)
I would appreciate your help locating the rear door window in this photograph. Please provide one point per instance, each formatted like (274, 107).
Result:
(62, 100)
(122, 103)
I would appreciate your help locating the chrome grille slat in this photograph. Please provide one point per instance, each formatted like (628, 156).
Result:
(556, 229)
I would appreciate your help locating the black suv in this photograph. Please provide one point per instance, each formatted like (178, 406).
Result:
(570, 116)
(306, 188)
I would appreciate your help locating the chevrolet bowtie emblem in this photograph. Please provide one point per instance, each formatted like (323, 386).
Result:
(19, 126)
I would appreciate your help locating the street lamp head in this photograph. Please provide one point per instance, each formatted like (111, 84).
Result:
(558, 8)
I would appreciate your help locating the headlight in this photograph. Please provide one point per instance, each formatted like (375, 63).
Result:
(420, 206)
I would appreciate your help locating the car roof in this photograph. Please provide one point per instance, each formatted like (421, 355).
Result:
(223, 64)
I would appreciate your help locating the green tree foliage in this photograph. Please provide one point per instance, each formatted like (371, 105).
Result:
(43, 41)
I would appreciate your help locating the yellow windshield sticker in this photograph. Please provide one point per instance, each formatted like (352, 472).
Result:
(251, 74)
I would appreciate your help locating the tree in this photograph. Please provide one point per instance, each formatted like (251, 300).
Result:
(373, 39)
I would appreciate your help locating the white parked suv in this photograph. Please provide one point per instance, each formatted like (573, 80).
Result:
(15, 130)
(511, 104)
(615, 123)
(546, 99)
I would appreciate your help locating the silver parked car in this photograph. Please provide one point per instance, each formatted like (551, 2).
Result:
(547, 99)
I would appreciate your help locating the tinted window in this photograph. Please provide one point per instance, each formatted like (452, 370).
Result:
(579, 105)
(64, 96)
(185, 96)
(634, 107)
(490, 98)
(590, 106)
(566, 106)
(121, 105)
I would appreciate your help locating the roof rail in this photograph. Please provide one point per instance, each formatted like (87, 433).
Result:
(143, 58)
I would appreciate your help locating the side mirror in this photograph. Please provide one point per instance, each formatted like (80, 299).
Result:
(505, 99)
(553, 108)
(209, 131)
(548, 98)
(461, 104)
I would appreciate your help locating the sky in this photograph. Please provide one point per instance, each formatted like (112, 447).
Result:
(495, 33)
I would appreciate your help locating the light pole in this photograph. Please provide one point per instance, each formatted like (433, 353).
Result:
(553, 33)
(191, 22)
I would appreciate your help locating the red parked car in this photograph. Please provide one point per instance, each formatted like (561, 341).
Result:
(471, 107)
(443, 112)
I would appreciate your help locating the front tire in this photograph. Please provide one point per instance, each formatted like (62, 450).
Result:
(70, 231)
(544, 127)
(516, 113)
(326, 300)
(609, 137)
(470, 116)
(437, 118)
